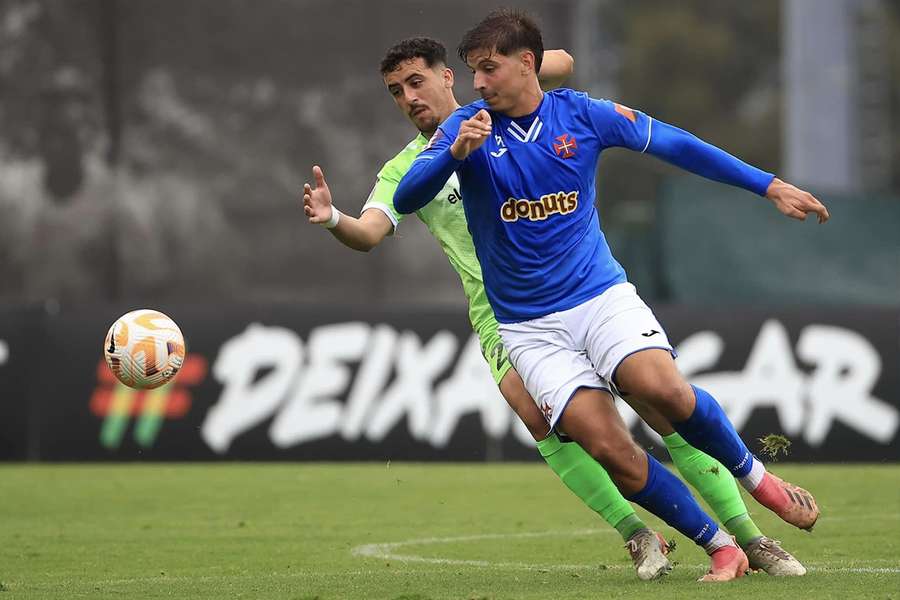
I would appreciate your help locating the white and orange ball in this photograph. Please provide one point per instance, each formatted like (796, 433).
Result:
(144, 349)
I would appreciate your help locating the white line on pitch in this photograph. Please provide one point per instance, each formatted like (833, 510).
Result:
(387, 551)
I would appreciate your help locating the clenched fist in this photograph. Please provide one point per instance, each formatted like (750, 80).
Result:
(472, 133)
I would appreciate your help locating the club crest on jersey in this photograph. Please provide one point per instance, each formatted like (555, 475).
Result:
(566, 146)
(539, 210)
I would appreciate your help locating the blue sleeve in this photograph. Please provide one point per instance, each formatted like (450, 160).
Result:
(687, 151)
(618, 126)
(430, 170)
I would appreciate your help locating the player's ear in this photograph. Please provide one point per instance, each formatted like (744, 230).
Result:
(526, 59)
(448, 77)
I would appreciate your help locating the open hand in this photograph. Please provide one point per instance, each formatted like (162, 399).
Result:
(317, 201)
(794, 202)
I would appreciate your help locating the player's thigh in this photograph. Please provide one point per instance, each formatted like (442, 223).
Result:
(651, 377)
(592, 420)
(513, 390)
(548, 364)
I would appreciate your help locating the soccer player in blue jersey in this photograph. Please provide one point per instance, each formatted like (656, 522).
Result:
(575, 329)
(416, 76)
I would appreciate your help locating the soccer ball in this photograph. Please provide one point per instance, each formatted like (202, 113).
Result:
(144, 349)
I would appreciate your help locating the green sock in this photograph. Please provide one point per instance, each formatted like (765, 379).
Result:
(743, 529)
(590, 482)
(715, 483)
(627, 526)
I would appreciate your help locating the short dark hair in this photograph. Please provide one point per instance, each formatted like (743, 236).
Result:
(428, 49)
(505, 30)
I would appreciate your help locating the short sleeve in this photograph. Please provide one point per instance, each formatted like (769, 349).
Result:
(619, 126)
(382, 195)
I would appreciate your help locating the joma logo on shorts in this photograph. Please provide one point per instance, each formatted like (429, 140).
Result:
(538, 210)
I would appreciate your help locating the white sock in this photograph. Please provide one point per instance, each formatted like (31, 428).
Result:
(751, 480)
(719, 540)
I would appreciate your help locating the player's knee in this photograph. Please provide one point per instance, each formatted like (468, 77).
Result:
(614, 453)
(670, 390)
(671, 396)
(623, 461)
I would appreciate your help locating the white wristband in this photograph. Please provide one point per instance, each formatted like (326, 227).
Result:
(334, 220)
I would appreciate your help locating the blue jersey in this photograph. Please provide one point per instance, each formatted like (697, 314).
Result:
(529, 193)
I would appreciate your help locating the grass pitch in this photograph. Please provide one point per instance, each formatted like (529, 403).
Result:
(395, 532)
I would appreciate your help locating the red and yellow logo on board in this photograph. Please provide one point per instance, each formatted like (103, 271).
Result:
(118, 403)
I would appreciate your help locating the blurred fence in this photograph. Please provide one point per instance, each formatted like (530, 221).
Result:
(276, 382)
(721, 245)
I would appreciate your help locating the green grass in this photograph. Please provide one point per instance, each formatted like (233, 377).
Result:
(305, 531)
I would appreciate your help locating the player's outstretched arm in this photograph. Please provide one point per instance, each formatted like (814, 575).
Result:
(361, 234)
(556, 68)
(794, 202)
(693, 154)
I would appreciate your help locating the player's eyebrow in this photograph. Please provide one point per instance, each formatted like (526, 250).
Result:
(481, 60)
(487, 60)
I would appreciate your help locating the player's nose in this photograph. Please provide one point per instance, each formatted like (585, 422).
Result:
(411, 98)
(478, 81)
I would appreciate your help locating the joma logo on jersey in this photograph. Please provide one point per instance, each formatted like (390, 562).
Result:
(538, 210)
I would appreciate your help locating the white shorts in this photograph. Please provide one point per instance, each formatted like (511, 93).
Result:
(581, 347)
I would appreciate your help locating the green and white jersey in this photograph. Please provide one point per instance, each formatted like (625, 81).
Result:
(446, 220)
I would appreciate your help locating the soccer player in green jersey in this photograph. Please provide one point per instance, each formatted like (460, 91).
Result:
(417, 77)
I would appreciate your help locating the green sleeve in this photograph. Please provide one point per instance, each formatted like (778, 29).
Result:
(382, 195)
